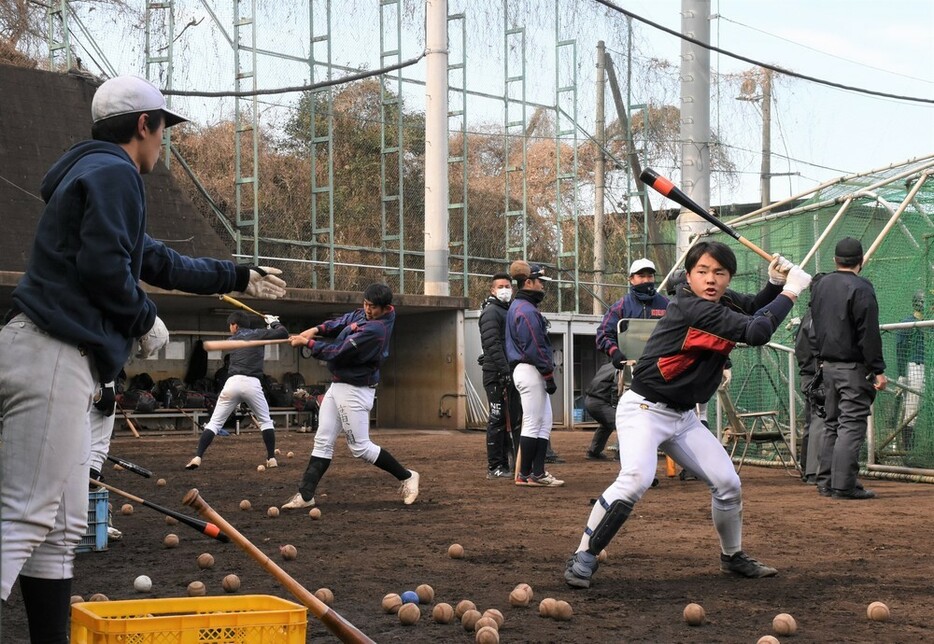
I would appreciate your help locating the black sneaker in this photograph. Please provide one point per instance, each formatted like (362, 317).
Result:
(580, 569)
(744, 565)
(855, 493)
(596, 456)
(499, 473)
(824, 491)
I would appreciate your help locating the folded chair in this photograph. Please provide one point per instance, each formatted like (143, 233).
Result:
(754, 427)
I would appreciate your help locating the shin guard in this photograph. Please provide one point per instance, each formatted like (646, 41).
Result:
(616, 515)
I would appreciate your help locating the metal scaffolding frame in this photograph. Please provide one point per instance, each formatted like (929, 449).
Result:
(160, 26)
(568, 224)
(322, 223)
(246, 117)
(392, 197)
(515, 121)
(459, 160)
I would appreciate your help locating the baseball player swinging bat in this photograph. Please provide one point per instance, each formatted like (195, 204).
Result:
(666, 188)
(203, 527)
(230, 345)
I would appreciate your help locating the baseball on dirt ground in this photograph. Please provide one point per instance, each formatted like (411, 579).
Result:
(197, 589)
(76, 599)
(456, 551)
(290, 455)
(563, 611)
(142, 584)
(462, 607)
(272, 512)
(485, 621)
(519, 597)
(98, 597)
(487, 635)
(767, 639)
(409, 614)
(496, 615)
(171, 520)
(784, 624)
(442, 613)
(527, 589)
(694, 614)
(126, 509)
(469, 618)
(288, 552)
(426, 594)
(245, 504)
(391, 603)
(326, 595)
(170, 540)
(160, 482)
(314, 513)
(205, 560)
(231, 583)
(877, 612)
(602, 556)
(277, 452)
(409, 597)
(260, 468)
(546, 607)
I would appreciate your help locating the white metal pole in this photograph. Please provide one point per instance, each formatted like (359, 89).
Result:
(436, 149)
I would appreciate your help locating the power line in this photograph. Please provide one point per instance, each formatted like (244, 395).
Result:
(752, 61)
(821, 51)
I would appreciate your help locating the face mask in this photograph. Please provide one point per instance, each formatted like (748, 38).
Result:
(643, 292)
(504, 294)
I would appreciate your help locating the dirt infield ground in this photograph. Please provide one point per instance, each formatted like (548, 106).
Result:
(834, 557)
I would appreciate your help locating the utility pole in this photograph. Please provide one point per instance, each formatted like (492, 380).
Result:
(599, 240)
(765, 173)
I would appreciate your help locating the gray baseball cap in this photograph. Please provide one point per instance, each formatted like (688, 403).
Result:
(128, 95)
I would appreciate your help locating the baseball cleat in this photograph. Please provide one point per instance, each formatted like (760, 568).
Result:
(271, 462)
(113, 534)
(580, 569)
(545, 480)
(742, 564)
(855, 493)
(194, 463)
(409, 488)
(297, 502)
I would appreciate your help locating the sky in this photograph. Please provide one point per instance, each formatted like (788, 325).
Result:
(883, 46)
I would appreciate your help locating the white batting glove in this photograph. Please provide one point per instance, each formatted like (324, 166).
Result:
(270, 319)
(778, 270)
(727, 377)
(797, 281)
(264, 283)
(156, 338)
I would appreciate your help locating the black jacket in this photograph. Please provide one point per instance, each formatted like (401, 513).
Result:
(248, 361)
(685, 356)
(846, 320)
(806, 346)
(603, 386)
(493, 337)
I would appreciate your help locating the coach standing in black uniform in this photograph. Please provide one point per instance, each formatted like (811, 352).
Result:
(846, 323)
(502, 396)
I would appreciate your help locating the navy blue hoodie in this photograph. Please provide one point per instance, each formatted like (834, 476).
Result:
(355, 347)
(90, 251)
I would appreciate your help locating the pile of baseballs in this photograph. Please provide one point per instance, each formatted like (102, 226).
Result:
(556, 609)
(521, 595)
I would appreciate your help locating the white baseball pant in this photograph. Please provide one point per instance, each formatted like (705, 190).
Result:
(346, 408)
(239, 389)
(537, 417)
(915, 380)
(102, 428)
(643, 427)
(46, 387)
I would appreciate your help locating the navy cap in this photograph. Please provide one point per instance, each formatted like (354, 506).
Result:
(537, 272)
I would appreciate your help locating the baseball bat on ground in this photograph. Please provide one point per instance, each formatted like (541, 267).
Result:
(230, 345)
(666, 188)
(240, 305)
(340, 627)
(129, 422)
(127, 465)
(203, 527)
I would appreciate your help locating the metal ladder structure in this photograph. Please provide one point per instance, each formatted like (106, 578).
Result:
(321, 143)
(566, 174)
(160, 38)
(391, 173)
(246, 123)
(515, 119)
(458, 160)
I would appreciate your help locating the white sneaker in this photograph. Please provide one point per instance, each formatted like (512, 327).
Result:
(271, 462)
(194, 463)
(297, 502)
(113, 534)
(545, 480)
(409, 488)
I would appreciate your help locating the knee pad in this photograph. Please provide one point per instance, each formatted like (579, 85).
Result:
(616, 514)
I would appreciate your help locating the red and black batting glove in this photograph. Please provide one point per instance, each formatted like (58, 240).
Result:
(550, 385)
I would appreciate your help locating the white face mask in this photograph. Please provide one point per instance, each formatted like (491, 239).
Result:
(504, 294)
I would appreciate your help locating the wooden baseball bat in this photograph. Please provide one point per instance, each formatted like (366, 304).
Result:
(129, 422)
(230, 345)
(203, 527)
(340, 627)
(240, 305)
(666, 188)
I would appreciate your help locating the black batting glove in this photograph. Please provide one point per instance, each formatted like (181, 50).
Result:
(550, 385)
(106, 398)
(619, 360)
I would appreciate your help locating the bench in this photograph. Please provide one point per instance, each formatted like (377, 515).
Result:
(197, 417)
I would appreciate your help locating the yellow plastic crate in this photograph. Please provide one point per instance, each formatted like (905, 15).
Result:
(232, 619)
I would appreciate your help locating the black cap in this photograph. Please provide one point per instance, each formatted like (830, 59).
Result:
(848, 248)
